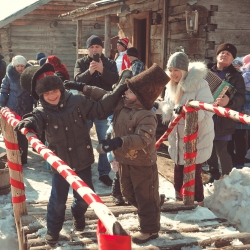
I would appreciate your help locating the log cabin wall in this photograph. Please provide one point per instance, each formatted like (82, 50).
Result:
(156, 29)
(219, 21)
(42, 31)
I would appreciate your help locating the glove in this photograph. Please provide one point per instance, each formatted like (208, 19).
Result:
(29, 123)
(113, 144)
(74, 85)
(178, 110)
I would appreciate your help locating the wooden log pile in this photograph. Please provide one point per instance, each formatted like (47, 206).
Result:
(204, 233)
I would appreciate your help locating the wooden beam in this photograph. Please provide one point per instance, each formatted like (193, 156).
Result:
(107, 36)
(78, 37)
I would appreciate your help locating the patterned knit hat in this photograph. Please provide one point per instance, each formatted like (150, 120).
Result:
(124, 42)
(227, 46)
(148, 85)
(40, 79)
(246, 59)
(178, 60)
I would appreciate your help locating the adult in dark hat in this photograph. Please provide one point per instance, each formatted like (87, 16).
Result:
(16, 98)
(97, 70)
(121, 58)
(133, 145)
(225, 127)
(137, 66)
(186, 83)
(63, 116)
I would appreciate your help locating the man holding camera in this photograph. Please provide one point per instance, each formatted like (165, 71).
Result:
(97, 70)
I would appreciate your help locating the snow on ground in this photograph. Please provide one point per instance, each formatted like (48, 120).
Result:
(228, 198)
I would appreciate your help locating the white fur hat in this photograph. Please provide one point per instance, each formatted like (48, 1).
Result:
(16, 60)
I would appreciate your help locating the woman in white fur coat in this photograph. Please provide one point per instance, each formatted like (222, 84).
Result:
(187, 82)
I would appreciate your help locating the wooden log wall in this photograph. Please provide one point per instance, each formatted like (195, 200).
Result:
(42, 31)
(219, 22)
(156, 26)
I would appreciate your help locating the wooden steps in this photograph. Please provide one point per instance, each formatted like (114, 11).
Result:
(173, 234)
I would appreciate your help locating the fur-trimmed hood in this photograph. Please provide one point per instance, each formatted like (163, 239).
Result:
(196, 72)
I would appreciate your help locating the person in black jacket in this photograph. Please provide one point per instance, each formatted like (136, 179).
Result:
(101, 73)
(63, 116)
(224, 127)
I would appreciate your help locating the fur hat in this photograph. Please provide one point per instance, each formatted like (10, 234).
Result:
(148, 85)
(227, 46)
(124, 42)
(178, 60)
(94, 40)
(40, 55)
(132, 52)
(16, 60)
(40, 79)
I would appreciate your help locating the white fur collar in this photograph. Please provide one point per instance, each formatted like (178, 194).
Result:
(196, 72)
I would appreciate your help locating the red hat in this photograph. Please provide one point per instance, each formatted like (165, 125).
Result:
(124, 42)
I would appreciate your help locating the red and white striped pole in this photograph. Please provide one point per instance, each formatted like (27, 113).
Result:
(107, 219)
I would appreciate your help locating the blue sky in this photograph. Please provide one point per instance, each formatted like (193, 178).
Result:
(11, 6)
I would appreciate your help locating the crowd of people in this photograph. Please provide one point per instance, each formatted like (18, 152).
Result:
(120, 97)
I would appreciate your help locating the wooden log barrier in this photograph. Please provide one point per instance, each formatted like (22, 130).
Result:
(190, 151)
(15, 169)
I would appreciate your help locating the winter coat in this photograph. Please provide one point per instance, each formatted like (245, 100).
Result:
(66, 128)
(196, 88)
(2, 69)
(12, 95)
(136, 126)
(226, 126)
(105, 80)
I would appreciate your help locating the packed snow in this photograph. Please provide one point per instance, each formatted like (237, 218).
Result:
(227, 198)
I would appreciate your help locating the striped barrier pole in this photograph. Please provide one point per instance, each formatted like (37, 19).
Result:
(169, 129)
(107, 221)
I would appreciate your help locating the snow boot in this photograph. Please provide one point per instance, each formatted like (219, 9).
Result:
(118, 200)
(79, 224)
(52, 237)
(140, 237)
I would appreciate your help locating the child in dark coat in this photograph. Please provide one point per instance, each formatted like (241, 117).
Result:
(64, 116)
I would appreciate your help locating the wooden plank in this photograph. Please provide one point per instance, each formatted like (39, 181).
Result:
(156, 31)
(224, 20)
(155, 46)
(229, 6)
(156, 58)
(107, 37)
(233, 36)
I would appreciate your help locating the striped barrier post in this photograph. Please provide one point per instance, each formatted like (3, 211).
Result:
(110, 233)
(15, 169)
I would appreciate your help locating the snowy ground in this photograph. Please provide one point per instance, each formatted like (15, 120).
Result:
(228, 198)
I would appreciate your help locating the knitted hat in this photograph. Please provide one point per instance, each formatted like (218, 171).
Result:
(124, 42)
(148, 85)
(246, 59)
(227, 46)
(94, 40)
(40, 79)
(16, 60)
(132, 52)
(42, 61)
(40, 55)
(178, 60)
